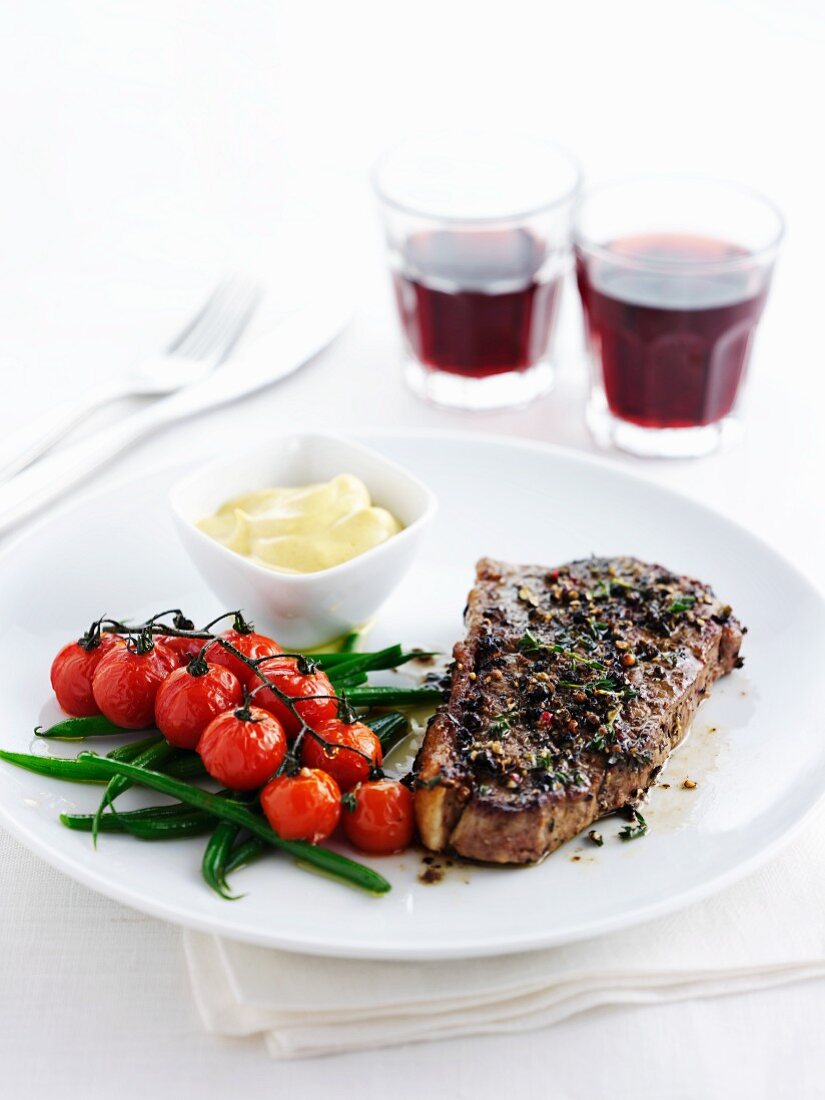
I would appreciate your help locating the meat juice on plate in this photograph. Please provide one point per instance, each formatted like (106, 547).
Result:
(672, 345)
(476, 302)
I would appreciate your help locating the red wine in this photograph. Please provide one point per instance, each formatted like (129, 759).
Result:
(673, 345)
(473, 302)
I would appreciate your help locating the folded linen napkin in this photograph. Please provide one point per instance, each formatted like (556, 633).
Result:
(765, 931)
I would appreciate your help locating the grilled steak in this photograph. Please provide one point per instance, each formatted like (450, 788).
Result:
(567, 695)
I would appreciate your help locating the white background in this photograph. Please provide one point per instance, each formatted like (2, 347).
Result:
(146, 147)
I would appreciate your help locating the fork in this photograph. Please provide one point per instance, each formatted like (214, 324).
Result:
(203, 343)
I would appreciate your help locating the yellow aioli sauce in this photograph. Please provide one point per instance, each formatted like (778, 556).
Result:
(304, 529)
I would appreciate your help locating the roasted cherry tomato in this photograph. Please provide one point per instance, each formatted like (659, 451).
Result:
(304, 806)
(351, 752)
(184, 648)
(243, 748)
(248, 643)
(73, 668)
(378, 816)
(189, 698)
(316, 692)
(127, 679)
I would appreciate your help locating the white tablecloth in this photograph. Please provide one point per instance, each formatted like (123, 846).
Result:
(146, 143)
(95, 1002)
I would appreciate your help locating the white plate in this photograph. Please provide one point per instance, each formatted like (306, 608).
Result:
(756, 750)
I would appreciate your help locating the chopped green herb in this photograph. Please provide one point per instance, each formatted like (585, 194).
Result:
(568, 779)
(604, 684)
(595, 628)
(348, 801)
(589, 661)
(597, 742)
(529, 643)
(562, 777)
(595, 838)
(500, 723)
(684, 603)
(633, 832)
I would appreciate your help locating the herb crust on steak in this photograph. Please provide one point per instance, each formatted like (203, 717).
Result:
(567, 695)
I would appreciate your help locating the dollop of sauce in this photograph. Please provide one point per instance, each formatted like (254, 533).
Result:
(303, 529)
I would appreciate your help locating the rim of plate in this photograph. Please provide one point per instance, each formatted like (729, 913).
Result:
(470, 948)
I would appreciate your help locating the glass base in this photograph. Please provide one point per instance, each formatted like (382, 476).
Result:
(498, 391)
(609, 431)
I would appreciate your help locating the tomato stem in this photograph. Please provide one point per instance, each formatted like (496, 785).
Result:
(244, 713)
(227, 614)
(176, 611)
(145, 643)
(345, 711)
(197, 665)
(91, 638)
(241, 625)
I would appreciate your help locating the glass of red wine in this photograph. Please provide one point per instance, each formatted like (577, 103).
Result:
(673, 276)
(478, 231)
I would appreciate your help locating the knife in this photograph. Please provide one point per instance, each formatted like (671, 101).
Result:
(278, 353)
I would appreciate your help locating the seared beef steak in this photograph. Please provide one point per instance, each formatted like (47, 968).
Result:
(567, 695)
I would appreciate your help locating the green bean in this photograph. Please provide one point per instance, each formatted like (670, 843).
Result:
(134, 748)
(391, 657)
(78, 729)
(72, 769)
(215, 855)
(347, 683)
(145, 819)
(389, 729)
(380, 721)
(189, 766)
(172, 828)
(351, 641)
(77, 771)
(82, 822)
(246, 853)
(159, 826)
(322, 859)
(155, 754)
(335, 664)
(393, 697)
(404, 658)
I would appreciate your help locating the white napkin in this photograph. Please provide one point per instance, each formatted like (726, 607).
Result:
(766, 931)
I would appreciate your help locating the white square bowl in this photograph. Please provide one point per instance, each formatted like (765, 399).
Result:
(303, 610)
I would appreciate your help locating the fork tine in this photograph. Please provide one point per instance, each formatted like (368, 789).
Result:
(191, 326)
(220, 325)
(224, 324)
(201, 341)
(217, 327)
(244, 315)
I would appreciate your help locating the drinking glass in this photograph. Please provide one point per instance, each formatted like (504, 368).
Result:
(478, 231)
(673, 275)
